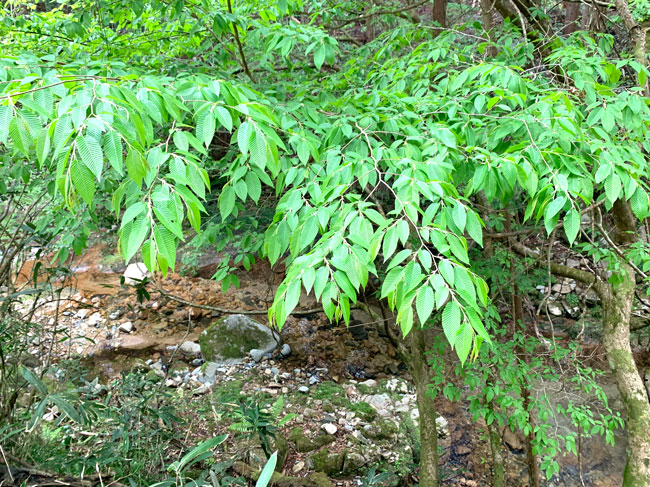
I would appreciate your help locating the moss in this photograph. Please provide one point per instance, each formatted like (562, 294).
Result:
(279, 480)
(329, 463)
(328, 390)
(232, 337)
(305, 444)
(364, 411)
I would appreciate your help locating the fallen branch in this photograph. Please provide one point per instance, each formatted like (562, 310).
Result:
(226, 310)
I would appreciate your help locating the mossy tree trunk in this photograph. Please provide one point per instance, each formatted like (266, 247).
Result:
(617, 308)
(617, 303)
(498, 475)
(416, 360)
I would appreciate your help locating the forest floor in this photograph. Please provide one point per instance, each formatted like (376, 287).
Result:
(350, 398)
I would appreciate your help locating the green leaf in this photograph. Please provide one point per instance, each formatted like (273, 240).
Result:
(83, 181)
(137, 232)
(424, 303)
(267, 472)
(223, 115)
(463, 342)
(244, 133)
(201, 448)
(91, 154)
(30, 377)
(451, 321)
(135, 166)
(258, 150)
(572, 225)
(227, 201)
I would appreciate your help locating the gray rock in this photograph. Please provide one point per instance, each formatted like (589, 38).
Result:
(285, 351)
(381, 402)
(190, 348)
(369, 383)
(95, 319)
(229, 340)
(126, 327)
(211, 369)
(329, 428)
(116, 314)
(257, 355)
(313, 380)
(303, 389)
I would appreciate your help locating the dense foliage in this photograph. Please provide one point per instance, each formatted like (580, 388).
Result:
(386, 162)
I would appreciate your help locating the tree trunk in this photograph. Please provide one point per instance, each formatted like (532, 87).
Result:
(439, 12)
(572, 12)
(420, 369)
(487, 8)
(617, 308)
(498, 477)
(637, 35)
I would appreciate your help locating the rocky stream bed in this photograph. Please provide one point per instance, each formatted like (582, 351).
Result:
(351, 398)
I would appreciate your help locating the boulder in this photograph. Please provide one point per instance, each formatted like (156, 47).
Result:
(230, 339)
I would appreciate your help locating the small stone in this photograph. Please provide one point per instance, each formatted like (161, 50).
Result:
(115, 314)
(554, 309)
(329, 428)
(303, 389)
(285, 351)
(126, 327)
(257, 355)
(275, 371)
(94, 319)
(211, 369)
(82, 313)
(299, 466)
(313, 380)
(197, 362)
(135, 273)
(369, 383)
(190, 348)
(442, 426)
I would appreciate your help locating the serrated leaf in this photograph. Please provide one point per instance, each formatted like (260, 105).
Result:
(224, 117)
(572, 225)
(91, 154)
(244, 133)
(424, 303)
(83, 181)
(451, 321)
(227, 201)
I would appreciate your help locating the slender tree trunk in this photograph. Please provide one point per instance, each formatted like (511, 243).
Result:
(421, 372)
(617, 308)
(637, 35)
(439, 12)
(370, 24)
(498, 476)
(572, 12)
(487, 9)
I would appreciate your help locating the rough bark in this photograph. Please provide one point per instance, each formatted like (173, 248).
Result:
(572, 12)
(439, 12)
(421, 371)
(617, 308)
(637, 34)
(498, 472)
(487, 9)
